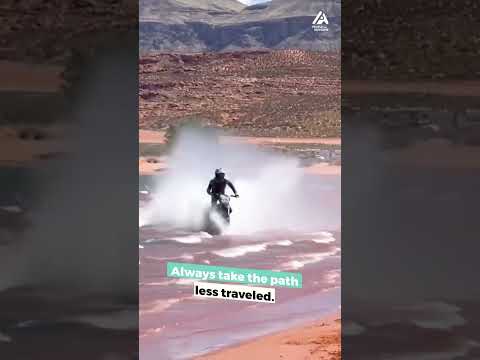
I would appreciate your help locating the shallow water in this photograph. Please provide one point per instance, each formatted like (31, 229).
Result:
(171, 319)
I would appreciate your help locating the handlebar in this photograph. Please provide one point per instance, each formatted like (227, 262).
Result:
(234, 196)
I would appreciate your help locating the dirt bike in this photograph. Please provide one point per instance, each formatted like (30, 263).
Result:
(218, 216)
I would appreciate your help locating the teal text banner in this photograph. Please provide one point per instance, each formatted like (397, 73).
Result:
(235, 275)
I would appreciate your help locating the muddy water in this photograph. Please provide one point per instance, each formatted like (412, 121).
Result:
(174, 325)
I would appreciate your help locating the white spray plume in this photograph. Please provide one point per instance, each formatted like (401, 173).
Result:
(272, 189)
(82, 236)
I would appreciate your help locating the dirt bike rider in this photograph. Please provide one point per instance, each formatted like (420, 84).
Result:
(217, 185)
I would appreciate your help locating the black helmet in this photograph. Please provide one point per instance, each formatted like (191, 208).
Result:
(219, 173)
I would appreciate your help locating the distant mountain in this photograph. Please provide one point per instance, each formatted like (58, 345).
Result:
(225, 25)
(183, 11)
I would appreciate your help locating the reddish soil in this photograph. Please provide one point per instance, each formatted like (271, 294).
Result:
(258, 93)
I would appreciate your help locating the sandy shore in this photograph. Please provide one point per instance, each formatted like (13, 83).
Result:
(16, 151)
(149, 165)
(151, 137)
(319, 341)
(323, 169)
(18, 76)
(158, 137)
(279, 141)
(437, 154)
(152, 165)
(441, 87)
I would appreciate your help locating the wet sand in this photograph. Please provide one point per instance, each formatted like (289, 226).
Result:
(318, 341)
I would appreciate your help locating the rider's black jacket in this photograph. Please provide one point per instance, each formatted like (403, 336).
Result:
(218, 185)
